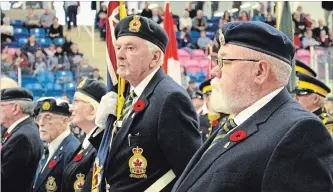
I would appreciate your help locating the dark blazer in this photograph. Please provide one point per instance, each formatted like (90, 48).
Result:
(286, 149)
(207, 128)
(52, 177)
(20, 155)
(166, 129)
(77, 171)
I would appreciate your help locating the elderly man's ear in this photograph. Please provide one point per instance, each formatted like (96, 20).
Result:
(261, 71)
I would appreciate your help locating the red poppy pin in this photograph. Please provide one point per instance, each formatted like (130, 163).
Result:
(52, 163)
(7, 135)
(238, 136)
(139, 105)
(215, 123)
(78, 157)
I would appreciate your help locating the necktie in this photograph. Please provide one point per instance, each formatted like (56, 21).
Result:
(42, 164)
(228, 125)
(127, 105)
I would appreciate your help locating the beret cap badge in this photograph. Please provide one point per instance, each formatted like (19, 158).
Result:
(221, 38)
(46, 106)
(135, 24)
(82, 83)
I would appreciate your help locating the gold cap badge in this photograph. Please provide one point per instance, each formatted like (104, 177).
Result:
(221, 37)
(137, 164)
(82, 83)
(46, 106)
(135, 24)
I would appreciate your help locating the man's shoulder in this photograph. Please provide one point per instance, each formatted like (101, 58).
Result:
(168, 87)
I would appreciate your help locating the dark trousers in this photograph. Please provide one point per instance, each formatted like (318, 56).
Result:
(72, 12)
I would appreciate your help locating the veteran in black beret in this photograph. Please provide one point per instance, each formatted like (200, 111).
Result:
(301, 67)
(77, 174)
(157, 132)
(311, 93)
(21, 147)
(255, 150)
(198, 102)
(210, 121)
(53, 121)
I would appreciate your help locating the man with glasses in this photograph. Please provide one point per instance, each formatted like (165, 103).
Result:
(21, 147)
(311, 94)
(271, 143)
(53, 121)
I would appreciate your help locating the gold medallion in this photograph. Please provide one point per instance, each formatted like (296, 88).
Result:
(135, 24)
(51, 185)
(46, 106)
(137, 164)
(78, 184)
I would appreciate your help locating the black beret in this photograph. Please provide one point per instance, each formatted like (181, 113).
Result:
(17, 93)
(144, 28)
(206, 87)
(258, 36)
(197, 95)
(92, 88)
(303, 68)
(51, 105)
(307, 83)
(39, 104)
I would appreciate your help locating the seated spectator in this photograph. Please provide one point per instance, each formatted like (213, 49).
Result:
(270, 21)
(6, 59)
(74, 57)
(200, 22)
(184, 78)
(299, 11)
(192, 88)
(103, 9)
(146, 12)
(102, 25)
(7, 31)
(185, 39)
(203, 41)
(46, 19)
(85, 70)
(323, 39)
(56, 30)
(31, 20)
(156, 16)
(297, 42)
(65, 97)
(68, 43)
(225, 18)
(21, 60)
(185, 21)
(321, 26)
(308, 21)
(300, 25)
(95, 75)
(308, 41)
(51, 50)
(193, 13)
(244, 16)
(31, 46)
(59, 62)
(40, 64)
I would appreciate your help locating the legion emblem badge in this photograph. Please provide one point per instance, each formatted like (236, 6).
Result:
(135, 24)
(137, 164)
(51, 185)
(46, 106)
(78, 184)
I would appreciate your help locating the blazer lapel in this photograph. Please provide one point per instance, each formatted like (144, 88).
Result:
(202, 161)
(126, 125)
(26, 121)
(55, 158)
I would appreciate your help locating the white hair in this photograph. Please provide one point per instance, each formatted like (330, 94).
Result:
(152, 47)
(280, 69)
(26, 106)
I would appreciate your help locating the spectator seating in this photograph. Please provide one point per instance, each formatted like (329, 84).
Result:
(16, 23)
(11, 44)
(38, 32)
(45, 77)
(22, 41)
(64, 76)
(59, 41)
(36, 89)
(183, 54)
(198, 54)
(69, 88)
(28, 79)
(21, 32)
(53, 90)
(44, 42)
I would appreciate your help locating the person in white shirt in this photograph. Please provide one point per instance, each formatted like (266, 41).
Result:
(7, 31)
(185, 21)
(53, 121)
(270, 142)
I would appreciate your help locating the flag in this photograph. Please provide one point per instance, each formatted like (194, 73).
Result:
(171, 63)
(116, 11)
(285, 24)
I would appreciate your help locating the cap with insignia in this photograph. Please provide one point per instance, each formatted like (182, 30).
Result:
(308, 84)
(258, 36)
(15, 94)
(197, 95)
(144, 28)
(39, 104)
(206, 87)
(56, 106)
(92, 89)
(301, 67)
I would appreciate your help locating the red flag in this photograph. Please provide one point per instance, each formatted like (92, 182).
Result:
(171, 63)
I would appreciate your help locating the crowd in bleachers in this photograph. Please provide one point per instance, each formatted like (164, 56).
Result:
(49, 61)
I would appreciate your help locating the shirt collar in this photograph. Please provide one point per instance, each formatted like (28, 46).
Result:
(248, 112)
(10, 129)
(86, 142)
(138, 90)
(53, 146)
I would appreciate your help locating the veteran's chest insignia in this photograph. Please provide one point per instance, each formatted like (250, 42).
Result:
(51, 185)
(78, 184)
(137, 164)
(97, 177)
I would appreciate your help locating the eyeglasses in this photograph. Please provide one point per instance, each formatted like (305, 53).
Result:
(76, 101)
(220, 61)
(48, 119)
